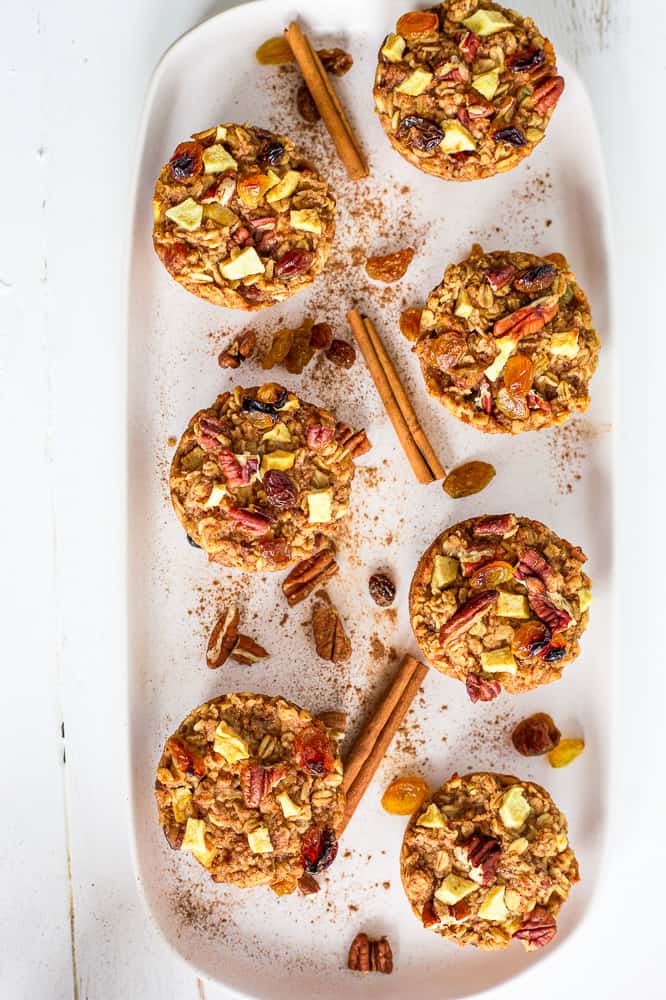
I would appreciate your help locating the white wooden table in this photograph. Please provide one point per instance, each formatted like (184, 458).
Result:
(73, 80)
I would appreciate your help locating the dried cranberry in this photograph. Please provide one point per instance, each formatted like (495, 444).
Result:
(293, 264)
(186, 160)
(319, 849)
(512, 135)
(424, 133)
(272, 153)
(280, 490)
(522, 62)
(536, 279)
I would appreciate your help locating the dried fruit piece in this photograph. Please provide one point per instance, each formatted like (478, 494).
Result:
(421, 133)
(308, 575)
(510, 406)
(491, 574)
(273, 154)
(185, 758)
(511, 135)
(331, 642)
(466, 616)
(410, 322)
(370, 956)
(341, 353)
(565, 751)
(312, 750)
(518, 375)
(336, 62)
(279, 349)
(293, 264)
(319, 849)
(526, 60)
(537, 929)
(274, 52)
(321, 336)
(467, 479)
(536, 279)
(480, 689)
(417, 22)
(389, 267)
(187, 161)
(307, 108)
(530, 639)
(405, 795)
(535, 735)
(280, 490)
(223, 638)
(382, 589)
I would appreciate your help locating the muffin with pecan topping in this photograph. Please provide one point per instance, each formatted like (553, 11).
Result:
(261, 476)
(506, 342)
(465, 90)
(500, 602)
(241, 218)
(251, 786)
(486, 860)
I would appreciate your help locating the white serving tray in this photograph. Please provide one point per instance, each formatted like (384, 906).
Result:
(254, 942)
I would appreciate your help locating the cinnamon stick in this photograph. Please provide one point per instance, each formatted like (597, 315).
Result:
(328, 102)
(418, 463)
(369, 750)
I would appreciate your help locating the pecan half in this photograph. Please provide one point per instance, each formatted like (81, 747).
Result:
(257, 781)
(484, 853)
(500, 277)
(366, 955)
(307, 884)
(500, 526)
(526, 321)
(308, 575)
(211, 431)
(337, 721)
(466, 616)
(249, 522)
(330, 639)
(247, 651)
(532, 563)
(223, 638)
(537, 929)
(480, 689)
(548, 94)
(355, 442)
(557, 619)
(318, 437)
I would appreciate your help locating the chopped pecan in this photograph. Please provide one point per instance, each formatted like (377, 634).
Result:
(537, 929)
(249, 521)
(308, 575)
(257, 781)
(499, 526)
(469, 45)
(174, 833)
(307, 884)
(537, 402)
(366, 955)
(234, 472)
(223, 638)
(355, 442)
(337, 721)
(466, 616)
(484, 398)
(241, 349)
(185, 758)
(548, 94)
(330, 639)
(500, 277)
(557, 619)
(480, 689)
(318, 437)
(211, 431)
(532, 563)
(484, 853)
(526, 321)
(536, 279)
(247, 651)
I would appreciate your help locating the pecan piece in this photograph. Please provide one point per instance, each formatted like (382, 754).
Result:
(185, 758)
(557, 620)
(247, 651)
(548, 94)
(366, 955)
(337, 721)
(307, 108)
(223, 638)
(337, 62)
(537, 929)
(307, 884)
(355, 442)
(484, 398)
(308, 575)
(318, 437)
(257, 781)
(499, 526)
(484, 853)
(466, 616)
(243, 346)
(249, 522)
(429, 917)
(532, 563)
(530, 319)
(234, 472)
(537, 402)
(330, 639)
(480, 689)
(210, 434)
(469, 44)
(500, 277)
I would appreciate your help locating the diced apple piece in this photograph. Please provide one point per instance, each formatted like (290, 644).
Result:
(180, 800)
(584, 598)
(506, 347)
(512, 605)
(432, 818)
(288, 807)
(216, 494)
(278, 433)
(285, 187)
(444, 571)
(188, 214)
(216, 159)
(487, 22)
(456, 138)
(306, 220)
(564, 343)
(561, 842)
(246, 263)
(393, 48)
(157, 210)
(280, 460)
(514, 808)
(220, 214)
(260, 841)
(320, 505)
(194, 840)
(415, 83)
(493, 906)
(487, 83)
(229, 744)
(220, 133)
(498, 661)
(464, 305)
(454, 888)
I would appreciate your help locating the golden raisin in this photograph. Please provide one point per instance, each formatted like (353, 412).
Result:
(491, 575)
(405, 795)
(535, 735)
(410, 322)
(275, 51)
(467, 479)
(301, 352)
(565, 752)
(518, 375)
(511, 406)
(285, 887)
(279, 349)
(389, 267)
(530, 639)
(417, 22)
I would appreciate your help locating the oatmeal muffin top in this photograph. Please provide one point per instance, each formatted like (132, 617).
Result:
(241, 218)
(260, 477)
(487, 859)
(252, 787)
(500, 602)
(506, 342)
(465, 90)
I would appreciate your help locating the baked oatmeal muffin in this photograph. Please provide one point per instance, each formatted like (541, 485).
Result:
(500, 602)
(487, 859)
(506, 342)
(465, 90)
(252, 787)
(260, 477)
(241, 218)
